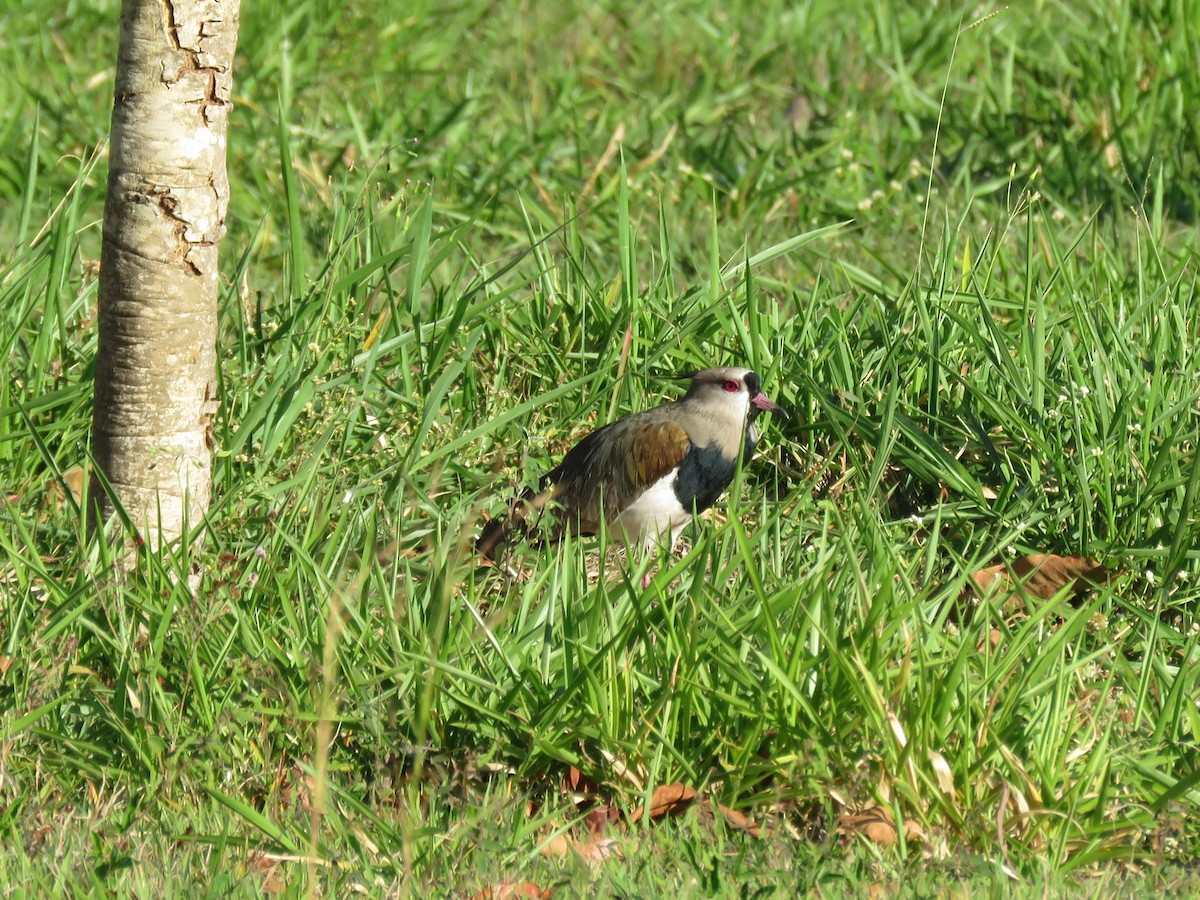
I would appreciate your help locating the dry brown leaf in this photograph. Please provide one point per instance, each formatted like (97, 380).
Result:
(73, 478)
(511, 889)
(990, 641)
(739, 822)
(1040, 575)
(575, 782)
(6, 664)
(667, 800)
(877, 825)
(598, 818)
(558, 845)
(593, 851)
(269, 868)
(598, 851)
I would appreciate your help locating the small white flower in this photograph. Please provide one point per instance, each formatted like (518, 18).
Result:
(1097, 452)
(864, 204)
(1058, 215)
(1010, 550)
(1084, 390)
(895, 185)
(916, 519)
(314, 347)
(853, 167)
(1134, 427)
(847, 153)
(1150, 576)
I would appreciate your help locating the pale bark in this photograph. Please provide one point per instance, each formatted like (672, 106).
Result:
(164, 217)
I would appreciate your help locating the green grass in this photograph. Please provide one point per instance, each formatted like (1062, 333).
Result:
(436, 279)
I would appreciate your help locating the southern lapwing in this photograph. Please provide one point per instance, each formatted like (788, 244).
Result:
(646, 475)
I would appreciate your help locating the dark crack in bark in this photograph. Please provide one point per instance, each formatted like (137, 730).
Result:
(190, 64)
(167, 206)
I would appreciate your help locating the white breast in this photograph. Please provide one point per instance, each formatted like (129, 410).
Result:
(656, 517)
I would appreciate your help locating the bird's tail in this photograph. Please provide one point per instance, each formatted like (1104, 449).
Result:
(520, 521)
(495, 534)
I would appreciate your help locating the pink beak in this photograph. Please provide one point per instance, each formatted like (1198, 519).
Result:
(766, 404)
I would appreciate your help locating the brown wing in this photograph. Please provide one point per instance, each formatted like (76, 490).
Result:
(657, 449)
(608, 469)
(597, 479)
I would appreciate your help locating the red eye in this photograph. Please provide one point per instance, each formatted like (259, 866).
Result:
(731, 386)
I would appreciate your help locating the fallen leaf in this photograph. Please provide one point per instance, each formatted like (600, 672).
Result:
(1041, 575)
(269, 869)
(598, 818)
(668, 800)
(598, 851)
(558, 845)
(877, 825)
(575, 782)
(73, 478)
(5, 664)
(511, 889)
(739, 822)
(593, 851)
(990, 641)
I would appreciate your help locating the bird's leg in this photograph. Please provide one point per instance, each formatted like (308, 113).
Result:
(662, 540)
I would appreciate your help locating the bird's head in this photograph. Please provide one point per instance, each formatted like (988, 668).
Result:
(734, 389)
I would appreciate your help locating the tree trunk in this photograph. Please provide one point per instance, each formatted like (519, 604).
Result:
(164, 216)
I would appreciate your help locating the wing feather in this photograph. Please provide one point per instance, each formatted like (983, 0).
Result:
(597, 479)
(656, 450)
(611, 467)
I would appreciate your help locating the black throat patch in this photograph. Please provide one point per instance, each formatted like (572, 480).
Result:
(703, 474)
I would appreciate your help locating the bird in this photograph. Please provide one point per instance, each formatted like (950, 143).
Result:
(646, 475)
